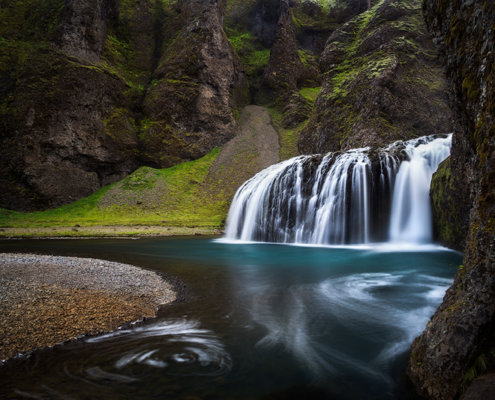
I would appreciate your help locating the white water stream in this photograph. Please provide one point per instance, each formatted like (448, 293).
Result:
(411, 211)
(355, 197)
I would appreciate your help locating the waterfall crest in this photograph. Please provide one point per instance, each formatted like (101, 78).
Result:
(354, 197)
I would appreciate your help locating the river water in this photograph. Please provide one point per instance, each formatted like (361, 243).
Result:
(259, 321)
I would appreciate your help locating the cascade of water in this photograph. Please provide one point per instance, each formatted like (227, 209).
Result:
(411, 211)
(354, 197)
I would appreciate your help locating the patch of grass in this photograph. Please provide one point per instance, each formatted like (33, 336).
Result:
(368, 67)
(253, 54)
(178, 202)
(288, 138)
(310, 93)
(258, 59)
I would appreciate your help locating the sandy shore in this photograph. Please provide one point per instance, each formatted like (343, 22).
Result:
(47, 300)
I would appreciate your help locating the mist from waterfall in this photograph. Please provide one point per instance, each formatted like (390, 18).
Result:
(356, 197)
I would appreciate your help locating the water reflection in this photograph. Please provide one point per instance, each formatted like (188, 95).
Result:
(261, 322)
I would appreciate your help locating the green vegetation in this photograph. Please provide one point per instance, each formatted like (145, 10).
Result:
(288, 138)
(370, 52)
(483, 363)
(30, 20)
(323, 21)
(253, 54)
(310, 93)
(307, 57)
(258, 59)
(172, 197)
(447, 218)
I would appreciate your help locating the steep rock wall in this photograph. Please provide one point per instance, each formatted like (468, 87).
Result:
(55, 103)
(92, 89)
(198, 83)
(382, 81)
(459, 341)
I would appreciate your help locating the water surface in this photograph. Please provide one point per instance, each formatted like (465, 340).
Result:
(261, 321)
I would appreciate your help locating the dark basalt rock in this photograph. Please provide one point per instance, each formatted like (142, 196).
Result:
(91, 90)
(285, 68)
(82, 31)
(382, 82)
(54, 111)
(450, 209)
(459, 341)
(264, 17)
(199, 80)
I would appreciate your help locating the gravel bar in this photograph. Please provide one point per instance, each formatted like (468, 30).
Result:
(45, 300)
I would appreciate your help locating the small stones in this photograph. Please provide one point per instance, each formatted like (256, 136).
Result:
(47, 300)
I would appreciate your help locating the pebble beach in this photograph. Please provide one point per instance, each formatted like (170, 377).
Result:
(47, 300)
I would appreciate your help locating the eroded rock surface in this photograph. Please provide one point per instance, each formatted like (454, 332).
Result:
(459, 341)
(382, 81)
(93, 90)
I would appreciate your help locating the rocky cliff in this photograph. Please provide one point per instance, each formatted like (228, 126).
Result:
(93, 89)
(54, 103)
(197, 84)
(382, 81)
(459, 342)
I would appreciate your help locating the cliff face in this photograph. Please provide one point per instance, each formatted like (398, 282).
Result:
(93, 89)
(382, 81)
(54, 103)
(459, 342)
(197, 84)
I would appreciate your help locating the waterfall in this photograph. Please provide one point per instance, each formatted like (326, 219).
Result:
(354, 197)
(411, 211)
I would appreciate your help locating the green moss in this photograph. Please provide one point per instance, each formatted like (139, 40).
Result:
(470, 87)
(368, 67)
(307, 58)
(258, 59)
(288, 138)
(252, 53)
(325, 19)
(346, 74)
(447, 217)
(180, 201)
(310, 93)
(240, 40)
(30, 20)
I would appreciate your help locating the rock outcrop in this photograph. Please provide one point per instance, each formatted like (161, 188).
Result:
(55, 103)
(285, 69)
(93, 89)
(459, 341)
(382, 81)
(450, 208)
(198, 83)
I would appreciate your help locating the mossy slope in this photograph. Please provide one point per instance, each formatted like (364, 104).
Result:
(148, 196)
(382, 81)
(191, 194)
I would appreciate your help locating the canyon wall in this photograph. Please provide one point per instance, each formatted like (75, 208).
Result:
(459, 341)
(93, 89)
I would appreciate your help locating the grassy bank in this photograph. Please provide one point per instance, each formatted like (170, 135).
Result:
(188, 199)
(107, 231)
(149, 201)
